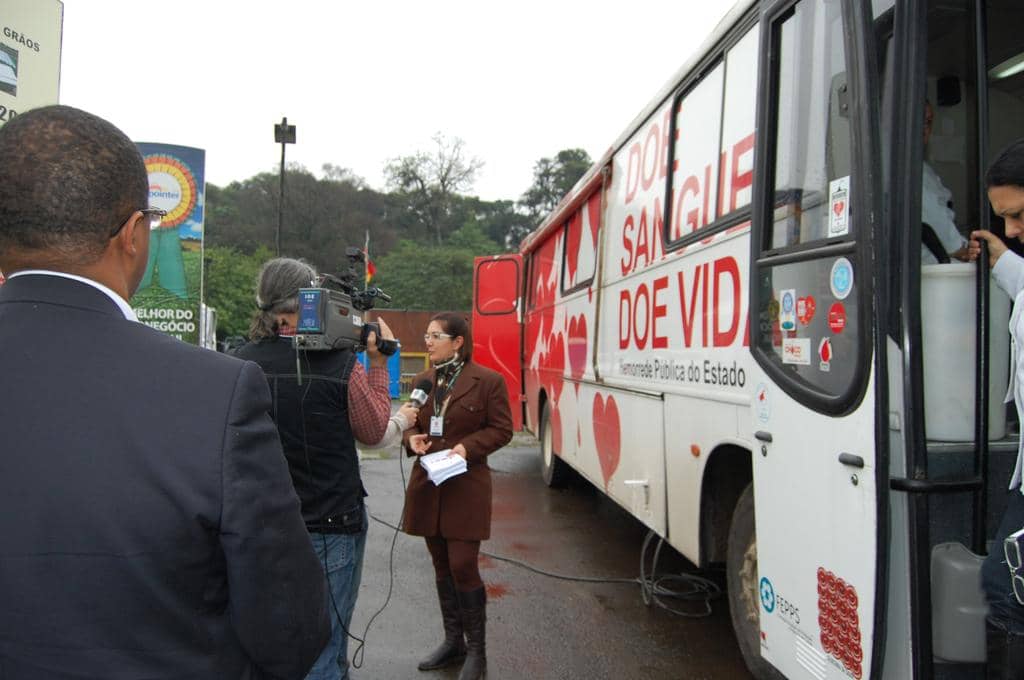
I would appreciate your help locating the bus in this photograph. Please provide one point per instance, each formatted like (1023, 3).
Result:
(730, 327)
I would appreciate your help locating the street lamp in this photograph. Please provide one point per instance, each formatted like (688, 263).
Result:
(283, 134)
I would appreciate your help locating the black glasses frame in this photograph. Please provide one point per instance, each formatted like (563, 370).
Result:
(149, 212)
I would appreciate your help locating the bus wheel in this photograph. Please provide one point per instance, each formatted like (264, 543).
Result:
(744, 596)
(552, 467)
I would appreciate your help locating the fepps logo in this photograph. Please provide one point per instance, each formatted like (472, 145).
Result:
(767, 595)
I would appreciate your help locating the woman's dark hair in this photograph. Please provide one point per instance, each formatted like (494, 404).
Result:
(455, 325)
(1008, 167)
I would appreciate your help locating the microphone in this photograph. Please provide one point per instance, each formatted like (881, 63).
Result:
(419, 395)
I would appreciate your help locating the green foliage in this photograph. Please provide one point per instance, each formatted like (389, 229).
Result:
(552, 180)
(434, 277)
(424, 234)
(321, 216)
(428, 185)
(231, 286)
(498, 220)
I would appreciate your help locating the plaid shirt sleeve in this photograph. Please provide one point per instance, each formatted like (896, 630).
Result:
(369, 403)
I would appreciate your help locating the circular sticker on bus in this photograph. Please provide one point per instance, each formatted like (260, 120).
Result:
(841, 279)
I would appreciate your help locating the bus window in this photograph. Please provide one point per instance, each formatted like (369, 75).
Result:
(810, 297)
(737, 151)
(695, 175)
(580, 251)
(812, 152)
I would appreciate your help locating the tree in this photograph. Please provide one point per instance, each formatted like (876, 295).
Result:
(429, 183)
(434, 277)
(552, 180)
(336, 173)
(230, 278)
(321, 216)
(500, 221)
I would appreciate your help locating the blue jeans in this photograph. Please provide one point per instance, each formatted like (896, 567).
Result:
(344, 572)
(1003, 609)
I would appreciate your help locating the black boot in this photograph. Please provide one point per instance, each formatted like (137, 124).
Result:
(1005, 653)
(474, 615)
(453, 649)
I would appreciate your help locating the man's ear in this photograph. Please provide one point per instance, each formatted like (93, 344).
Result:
(128, 239)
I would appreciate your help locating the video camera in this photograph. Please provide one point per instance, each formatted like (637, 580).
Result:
(329, 316)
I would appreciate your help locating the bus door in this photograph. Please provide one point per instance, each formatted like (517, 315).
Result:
(497, 322)
(818, 475)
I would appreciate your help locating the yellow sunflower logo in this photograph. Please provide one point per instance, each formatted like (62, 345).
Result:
(172, 187)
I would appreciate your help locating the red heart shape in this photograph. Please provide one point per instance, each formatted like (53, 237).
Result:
(556, 429)
(805, 307)
(607, 435)
(838, 206)
(577, 346)
(552, 367)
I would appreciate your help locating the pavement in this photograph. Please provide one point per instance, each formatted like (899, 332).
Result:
(539, 626)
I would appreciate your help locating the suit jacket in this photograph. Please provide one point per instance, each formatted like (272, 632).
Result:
(148, 525)
(479, 418)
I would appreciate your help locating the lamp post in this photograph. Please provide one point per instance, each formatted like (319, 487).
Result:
(283, 134)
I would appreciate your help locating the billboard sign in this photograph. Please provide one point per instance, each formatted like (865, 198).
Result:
(30, 39)
(171, 289)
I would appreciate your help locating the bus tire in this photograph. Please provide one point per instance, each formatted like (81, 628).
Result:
(744, 595)
(553, 469)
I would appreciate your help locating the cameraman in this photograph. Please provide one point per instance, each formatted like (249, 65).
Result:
(318, 421)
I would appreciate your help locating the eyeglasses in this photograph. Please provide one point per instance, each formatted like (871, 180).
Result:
(427, 337)
(1012, 551)
(154, 215)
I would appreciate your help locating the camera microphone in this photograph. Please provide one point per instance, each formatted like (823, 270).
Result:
(419, 395)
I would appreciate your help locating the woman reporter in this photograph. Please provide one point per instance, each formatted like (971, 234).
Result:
(1005, 621)
(467, 412)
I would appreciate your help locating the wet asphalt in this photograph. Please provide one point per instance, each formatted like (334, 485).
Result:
(539, 627)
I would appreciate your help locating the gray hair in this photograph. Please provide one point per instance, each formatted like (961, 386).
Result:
(277, 292)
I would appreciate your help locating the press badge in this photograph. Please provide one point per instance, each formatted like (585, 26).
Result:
(436, 426)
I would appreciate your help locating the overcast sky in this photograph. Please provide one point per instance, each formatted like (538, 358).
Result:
(365, 82)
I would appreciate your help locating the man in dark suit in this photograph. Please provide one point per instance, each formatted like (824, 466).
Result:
(148, 525)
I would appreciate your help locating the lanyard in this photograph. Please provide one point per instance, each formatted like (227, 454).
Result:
(444, 391)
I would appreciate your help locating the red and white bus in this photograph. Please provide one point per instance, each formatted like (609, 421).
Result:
(727, 323)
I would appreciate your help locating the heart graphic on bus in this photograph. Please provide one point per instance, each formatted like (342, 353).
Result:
(607, 435)
(577, 346)
(552, 367)
(556, 429)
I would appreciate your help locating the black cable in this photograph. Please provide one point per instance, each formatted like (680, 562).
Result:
(323, 537)
(699, 589)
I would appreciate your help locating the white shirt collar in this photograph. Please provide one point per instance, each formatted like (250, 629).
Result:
(128, 312)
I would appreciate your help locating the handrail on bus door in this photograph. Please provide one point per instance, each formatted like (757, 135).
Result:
(977, 483)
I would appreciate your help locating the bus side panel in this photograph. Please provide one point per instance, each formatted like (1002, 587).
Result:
(622, 450)
(542, 364)
(496, 323)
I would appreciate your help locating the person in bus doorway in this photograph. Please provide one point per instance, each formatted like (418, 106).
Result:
(319, 420)
(1003, 581)
(467, 412)
(940, 238)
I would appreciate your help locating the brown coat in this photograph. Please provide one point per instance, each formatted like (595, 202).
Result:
(479, 418)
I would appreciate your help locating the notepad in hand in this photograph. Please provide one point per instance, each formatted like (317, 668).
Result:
(442, 465)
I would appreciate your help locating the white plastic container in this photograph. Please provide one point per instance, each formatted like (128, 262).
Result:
(947, 334)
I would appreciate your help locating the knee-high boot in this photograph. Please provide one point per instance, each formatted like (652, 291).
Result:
(473, 606)
(453, 649)
(1005, 654)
